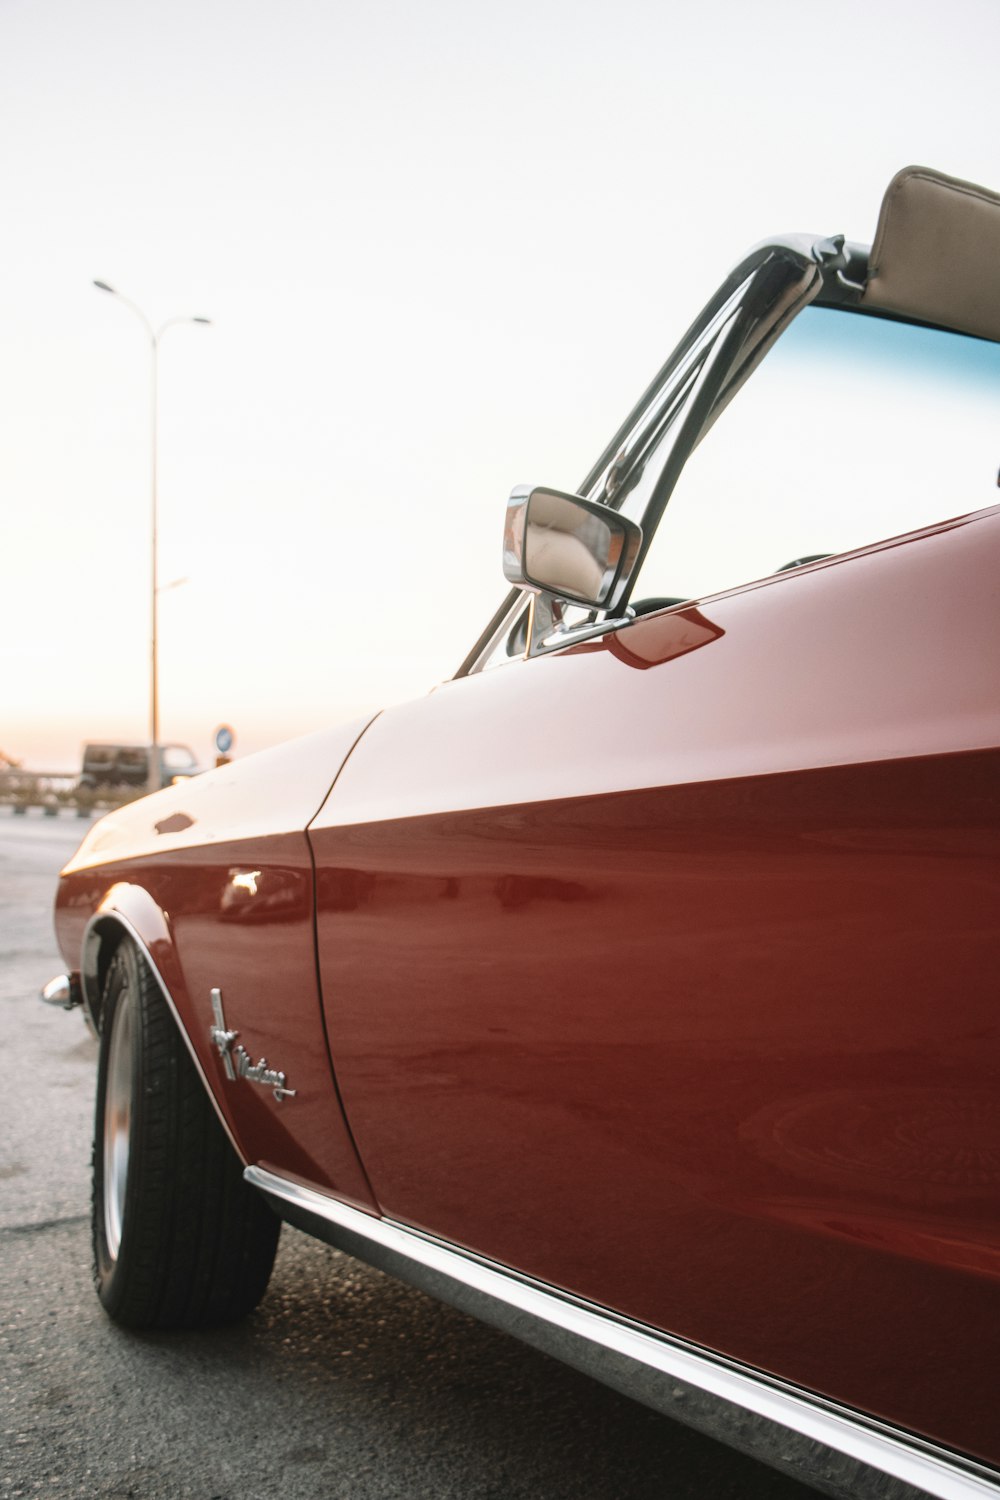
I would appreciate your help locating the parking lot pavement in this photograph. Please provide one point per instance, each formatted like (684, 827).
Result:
(345, 1385)
(46, 1101)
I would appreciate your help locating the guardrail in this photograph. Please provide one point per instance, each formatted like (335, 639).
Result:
(54, 790)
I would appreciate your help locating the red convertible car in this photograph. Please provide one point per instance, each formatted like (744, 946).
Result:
(639, 989)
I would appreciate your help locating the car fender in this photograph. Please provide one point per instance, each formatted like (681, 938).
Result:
(128, 911)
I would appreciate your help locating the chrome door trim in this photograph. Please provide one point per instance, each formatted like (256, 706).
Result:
(825, 1445)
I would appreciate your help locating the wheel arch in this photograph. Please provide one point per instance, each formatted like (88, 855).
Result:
(128, 913)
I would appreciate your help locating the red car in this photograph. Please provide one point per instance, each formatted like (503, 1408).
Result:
(638, 989)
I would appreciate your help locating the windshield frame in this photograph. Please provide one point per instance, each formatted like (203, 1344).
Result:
(754, 297)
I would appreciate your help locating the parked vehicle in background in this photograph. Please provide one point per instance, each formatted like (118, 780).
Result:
(106, 765)
(637, 990)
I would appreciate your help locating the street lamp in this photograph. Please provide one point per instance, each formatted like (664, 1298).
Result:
(155, 335)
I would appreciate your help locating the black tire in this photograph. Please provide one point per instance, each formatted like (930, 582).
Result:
(179, 1239)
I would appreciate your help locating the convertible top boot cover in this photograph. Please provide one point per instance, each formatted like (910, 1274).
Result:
(936, 254)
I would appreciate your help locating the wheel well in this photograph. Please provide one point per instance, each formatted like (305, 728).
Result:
(102, 943)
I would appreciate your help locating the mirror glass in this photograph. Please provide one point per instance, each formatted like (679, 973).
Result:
(568, 550)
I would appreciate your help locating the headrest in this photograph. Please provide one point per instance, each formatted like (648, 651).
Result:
(936, 254)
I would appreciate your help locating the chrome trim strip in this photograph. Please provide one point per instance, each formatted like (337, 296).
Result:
(110, 913)
(828, 1446)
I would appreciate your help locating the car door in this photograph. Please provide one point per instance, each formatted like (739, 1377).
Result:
(661, 967)
(632, 989)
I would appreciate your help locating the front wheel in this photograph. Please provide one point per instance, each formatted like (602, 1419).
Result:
(179, 1239)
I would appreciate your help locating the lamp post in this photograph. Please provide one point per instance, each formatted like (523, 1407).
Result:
(154, 335)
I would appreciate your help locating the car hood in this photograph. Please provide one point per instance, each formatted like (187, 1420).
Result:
(275, 791)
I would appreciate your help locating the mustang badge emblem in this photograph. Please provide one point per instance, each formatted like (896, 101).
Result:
(237, 1062)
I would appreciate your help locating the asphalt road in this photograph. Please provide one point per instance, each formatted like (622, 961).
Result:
(344, 1385)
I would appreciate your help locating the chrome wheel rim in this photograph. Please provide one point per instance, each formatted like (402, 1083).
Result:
(117, 1122)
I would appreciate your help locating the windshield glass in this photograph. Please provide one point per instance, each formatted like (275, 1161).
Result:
(853, 429)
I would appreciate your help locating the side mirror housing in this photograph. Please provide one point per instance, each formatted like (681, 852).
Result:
(561, 544)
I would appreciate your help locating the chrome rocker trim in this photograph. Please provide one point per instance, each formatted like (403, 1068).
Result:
(823, 1445)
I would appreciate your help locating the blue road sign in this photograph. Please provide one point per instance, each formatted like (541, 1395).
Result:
(224, 739)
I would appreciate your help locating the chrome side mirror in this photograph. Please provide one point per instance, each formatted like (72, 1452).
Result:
(564, 545)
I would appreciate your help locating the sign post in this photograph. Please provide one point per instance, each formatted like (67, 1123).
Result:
(225, 739)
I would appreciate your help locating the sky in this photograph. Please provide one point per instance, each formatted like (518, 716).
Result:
(443, 247)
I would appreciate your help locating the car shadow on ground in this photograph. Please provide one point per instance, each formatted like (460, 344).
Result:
(368, 1377)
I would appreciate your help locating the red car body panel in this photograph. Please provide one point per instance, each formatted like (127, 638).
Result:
(664, 969)
(175, 868)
